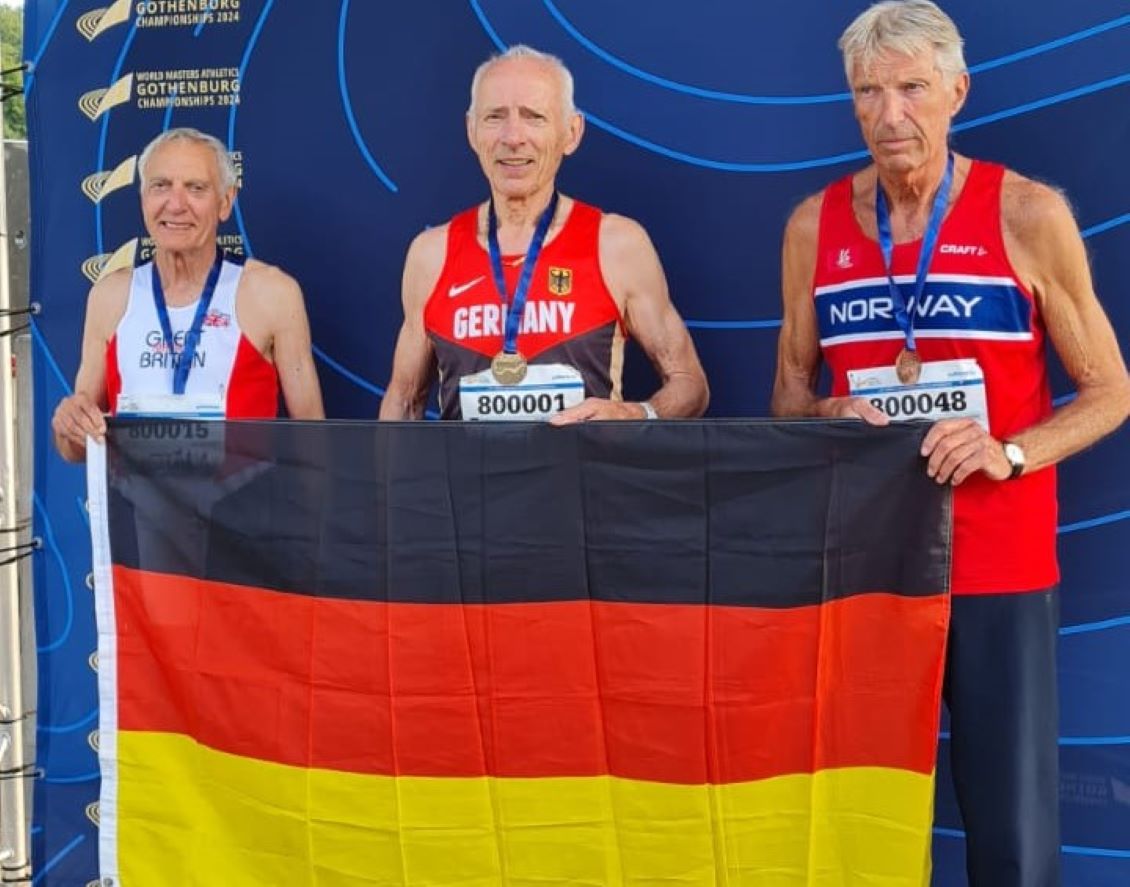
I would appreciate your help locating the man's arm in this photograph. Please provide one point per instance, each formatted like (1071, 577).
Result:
(80, 414)
(798, 348)
(413, 362)
(276, 305)
(635, 278)
(1045, 248)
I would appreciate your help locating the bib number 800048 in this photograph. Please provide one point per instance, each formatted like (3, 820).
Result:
(921, 403)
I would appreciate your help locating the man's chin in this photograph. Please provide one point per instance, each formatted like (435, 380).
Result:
(514, 186)
(896, 161)
(178, 244)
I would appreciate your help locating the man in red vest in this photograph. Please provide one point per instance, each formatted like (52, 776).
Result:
(521, 306)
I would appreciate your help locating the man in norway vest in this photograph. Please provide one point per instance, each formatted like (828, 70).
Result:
(929, 283)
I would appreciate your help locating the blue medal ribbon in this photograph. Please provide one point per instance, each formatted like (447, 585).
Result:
(517, 302)
(925, 254)
(182, 363)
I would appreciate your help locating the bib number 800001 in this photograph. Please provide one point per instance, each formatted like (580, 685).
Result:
(514, 404)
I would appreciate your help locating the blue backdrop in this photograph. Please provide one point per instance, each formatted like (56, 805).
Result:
(706, 121)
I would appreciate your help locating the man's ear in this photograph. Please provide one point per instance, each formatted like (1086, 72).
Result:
(576, 130)
(227, 203)
(471, 130)
(960, 92)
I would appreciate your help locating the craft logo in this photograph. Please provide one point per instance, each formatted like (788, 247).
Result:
(99, 184)
(560, 281)
(962, 249)
(98, 101)
(93, 741)
(104, 264)
(843, 260)
(97, 21)
(93, 814)
(185, 13)
(188, 88)
(230, 243)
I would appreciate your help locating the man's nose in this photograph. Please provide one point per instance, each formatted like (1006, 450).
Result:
(178, 197)
(892, 109)
(513, 133)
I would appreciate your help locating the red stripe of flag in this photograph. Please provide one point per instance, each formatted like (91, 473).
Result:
(527, 690)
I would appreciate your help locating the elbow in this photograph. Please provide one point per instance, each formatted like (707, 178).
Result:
(1119, 400)
(692, 395)
(702, 402)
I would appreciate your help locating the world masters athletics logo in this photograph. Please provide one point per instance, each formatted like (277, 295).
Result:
(97, 185)
(98, 21)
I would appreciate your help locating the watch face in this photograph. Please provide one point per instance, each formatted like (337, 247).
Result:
(1015, 457)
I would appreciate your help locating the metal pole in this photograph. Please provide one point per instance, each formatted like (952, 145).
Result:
(15, 858)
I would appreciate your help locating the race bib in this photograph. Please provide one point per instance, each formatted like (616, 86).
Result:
(946, 389)
(547, 389)
(171, 406)
(187, 439)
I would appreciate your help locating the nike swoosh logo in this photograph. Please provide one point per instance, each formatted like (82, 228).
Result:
(454, 291)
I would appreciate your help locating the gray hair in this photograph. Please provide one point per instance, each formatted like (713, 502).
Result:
(521, 51)
(224, 163)
(905, 27)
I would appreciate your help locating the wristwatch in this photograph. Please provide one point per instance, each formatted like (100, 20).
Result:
(1015, 457)
(648, 410)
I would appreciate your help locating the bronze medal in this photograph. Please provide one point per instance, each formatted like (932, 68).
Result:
(508, 369)
(908, 366)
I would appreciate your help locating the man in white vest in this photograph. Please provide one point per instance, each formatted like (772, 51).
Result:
(193, 332)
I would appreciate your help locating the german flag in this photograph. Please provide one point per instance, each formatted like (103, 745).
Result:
(454, 654)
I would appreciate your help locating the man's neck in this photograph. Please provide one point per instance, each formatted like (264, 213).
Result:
(183, 273)
(518, 217)
(911, 194)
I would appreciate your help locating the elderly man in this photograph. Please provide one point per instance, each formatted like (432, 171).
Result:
(193, 332)
(928, 282)
(522, 304)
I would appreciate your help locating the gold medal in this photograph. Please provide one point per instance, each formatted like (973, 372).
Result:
(508, 369)
(908, 366)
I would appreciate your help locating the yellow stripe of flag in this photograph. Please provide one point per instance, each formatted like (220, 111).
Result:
(193, 816)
